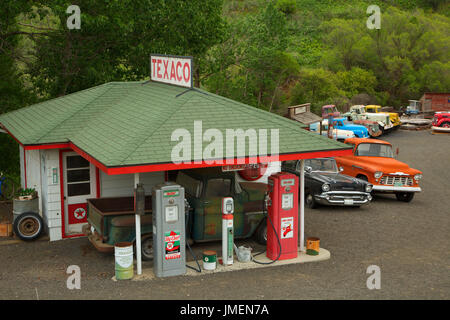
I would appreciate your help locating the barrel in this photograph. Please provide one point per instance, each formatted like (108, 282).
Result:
(21, 206)
(123, 253)
(312, 246)
(209, 260)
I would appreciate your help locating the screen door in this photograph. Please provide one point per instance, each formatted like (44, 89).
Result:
(79, 185)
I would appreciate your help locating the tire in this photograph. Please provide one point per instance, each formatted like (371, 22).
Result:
(261, 233)
(147, 247)
(404, 196)
(310, 202)
(7, 189)
(445, 124)
(28, 226)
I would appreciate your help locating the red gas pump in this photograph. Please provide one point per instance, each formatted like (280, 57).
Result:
(282, 208)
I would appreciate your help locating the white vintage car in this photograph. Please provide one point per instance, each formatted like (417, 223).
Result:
(358, 112)
(338, 134)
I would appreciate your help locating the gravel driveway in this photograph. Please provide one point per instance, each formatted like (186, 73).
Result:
(408, 241)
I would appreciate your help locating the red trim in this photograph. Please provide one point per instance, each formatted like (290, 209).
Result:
(89, 158)
(25, 167)
(173, 166)
(38, 146)
(8, 132)
(97, 181)
(74, 236)
(61, 179)
(47, 146)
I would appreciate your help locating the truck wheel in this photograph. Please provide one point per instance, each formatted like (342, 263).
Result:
(310, 201)
(445, 125)
(147, 247)
(28, 226)
(261, 233)
(404, 196)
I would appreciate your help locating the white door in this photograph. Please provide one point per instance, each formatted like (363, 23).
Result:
(79, 185)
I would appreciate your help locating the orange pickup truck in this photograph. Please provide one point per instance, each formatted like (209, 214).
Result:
(373, 161)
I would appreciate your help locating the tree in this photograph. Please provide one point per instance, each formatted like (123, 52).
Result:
(396, 54)
(13, 91)
(114, 41)
(251, 65)
(355, 81)
(317, 86)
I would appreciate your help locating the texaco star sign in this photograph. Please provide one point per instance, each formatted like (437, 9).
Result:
(79, 213)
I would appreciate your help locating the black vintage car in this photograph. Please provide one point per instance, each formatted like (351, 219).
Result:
(324, 184)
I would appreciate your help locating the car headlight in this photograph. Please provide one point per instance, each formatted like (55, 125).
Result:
(417, 177)
(369, 188)
(378, 174)
(326, 187)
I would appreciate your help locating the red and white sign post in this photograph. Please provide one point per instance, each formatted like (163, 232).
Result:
(174, 70)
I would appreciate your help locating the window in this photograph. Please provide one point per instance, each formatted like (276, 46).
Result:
(290, 164)
(218, 187)
(192, 186)
(374, 150)
(324, 165)
(78, 176)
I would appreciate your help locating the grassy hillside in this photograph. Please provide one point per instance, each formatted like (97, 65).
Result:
(332, 49)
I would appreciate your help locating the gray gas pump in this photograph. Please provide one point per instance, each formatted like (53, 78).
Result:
(169, 239)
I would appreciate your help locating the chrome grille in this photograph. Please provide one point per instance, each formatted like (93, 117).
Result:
(391, 180)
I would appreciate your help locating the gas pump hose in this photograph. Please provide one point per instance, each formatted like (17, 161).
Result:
(276, 233)
(190, 249)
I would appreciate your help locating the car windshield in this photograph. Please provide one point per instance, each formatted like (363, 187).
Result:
(323, 165)
(191, 185)
(374, 150)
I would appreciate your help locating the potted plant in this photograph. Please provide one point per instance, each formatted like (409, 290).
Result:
(26, 194)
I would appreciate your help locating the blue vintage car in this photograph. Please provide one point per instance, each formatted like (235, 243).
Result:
(343, 124)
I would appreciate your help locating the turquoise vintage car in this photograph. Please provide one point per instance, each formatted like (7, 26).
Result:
(112, 220)
(359, 130)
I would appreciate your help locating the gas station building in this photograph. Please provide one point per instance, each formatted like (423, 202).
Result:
(101, 141)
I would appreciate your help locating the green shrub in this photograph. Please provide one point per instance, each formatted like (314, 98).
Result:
(287, 6)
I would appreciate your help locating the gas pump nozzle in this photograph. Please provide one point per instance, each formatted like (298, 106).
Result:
(267, 202)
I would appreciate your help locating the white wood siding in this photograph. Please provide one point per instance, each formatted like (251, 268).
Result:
(51, 199)
(33, 173)
(22, 168)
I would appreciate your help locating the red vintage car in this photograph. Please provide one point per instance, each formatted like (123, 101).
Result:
(373, 161)
(441, 119)
(330, 111)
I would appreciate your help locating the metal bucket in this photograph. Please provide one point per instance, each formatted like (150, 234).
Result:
(312, 246)
(209, 260)
(243, 253)
(123, 253)
(21, 206)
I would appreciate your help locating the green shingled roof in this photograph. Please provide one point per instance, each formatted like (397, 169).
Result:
(131, 123)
